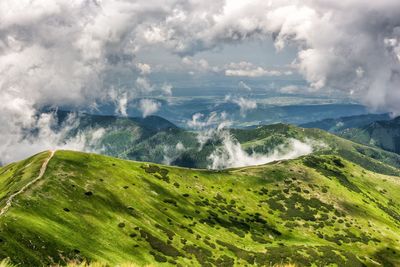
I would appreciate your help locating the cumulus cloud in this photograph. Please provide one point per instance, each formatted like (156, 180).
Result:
(348, 45)
(143, 84)
(61, 54)
(72, 53)
(148, 106)
(194, 66)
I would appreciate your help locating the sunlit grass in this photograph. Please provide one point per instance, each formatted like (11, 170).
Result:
(110, 212)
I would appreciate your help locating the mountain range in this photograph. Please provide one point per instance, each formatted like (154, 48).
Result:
(336, 205)
(154, 139)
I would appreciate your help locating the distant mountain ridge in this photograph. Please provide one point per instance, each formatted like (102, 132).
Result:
(154, 139)
(382, 134)
(338, 124)
(151, 123)
(378, 130)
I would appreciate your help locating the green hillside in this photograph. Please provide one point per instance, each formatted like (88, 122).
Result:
(319, 210)
(264, 138)
(143, 139)
(382, 134)
(376, 130)
(154, 139)
(339, 124)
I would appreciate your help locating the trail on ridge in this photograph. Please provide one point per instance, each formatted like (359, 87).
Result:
(41, 173)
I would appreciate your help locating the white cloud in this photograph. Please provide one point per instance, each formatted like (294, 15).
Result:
(148, 106)
(61, 53)
(44, 136)
(247, 69)
(143, 84)
(334, 38)
(120, 100)
(209, 127)
(166, 88)
(65, 52)
(180, 147)
(196, 65)
(244, 104)
(232, 155)
(122, 105)
(144, 68)
(214, 119)
(171, 153)
(290, 89)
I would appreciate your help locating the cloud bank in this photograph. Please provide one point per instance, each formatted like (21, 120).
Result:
(75, 53)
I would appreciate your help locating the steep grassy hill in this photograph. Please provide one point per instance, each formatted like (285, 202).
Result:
(319, 210)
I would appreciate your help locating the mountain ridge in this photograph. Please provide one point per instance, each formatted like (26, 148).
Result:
(318, 209)
(126, 139)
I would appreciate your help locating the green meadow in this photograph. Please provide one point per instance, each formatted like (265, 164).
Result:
(318, 210)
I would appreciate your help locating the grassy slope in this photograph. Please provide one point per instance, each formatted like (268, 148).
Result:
(14, 176)
(265, 138)
(316, 210)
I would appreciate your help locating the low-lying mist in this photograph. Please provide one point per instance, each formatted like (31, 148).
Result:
(45, 132)
(232, 155)
(229, 153)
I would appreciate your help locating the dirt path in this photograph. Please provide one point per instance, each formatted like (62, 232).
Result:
(41, 173)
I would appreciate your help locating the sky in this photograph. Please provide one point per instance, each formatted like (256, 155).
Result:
(219, 59)
(87, 52)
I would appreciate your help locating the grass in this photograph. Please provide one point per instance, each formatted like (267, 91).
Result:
(320, 210)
